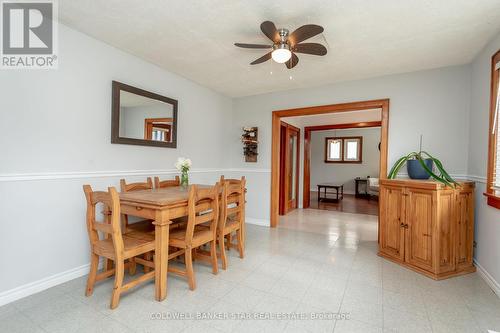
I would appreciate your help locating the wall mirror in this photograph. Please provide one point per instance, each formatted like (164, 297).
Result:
(140, 117)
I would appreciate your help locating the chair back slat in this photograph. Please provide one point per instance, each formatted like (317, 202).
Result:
(111, 226)
(103, 227)
(233, 210)
(203, 207)
(167, 183)
(231, 181)
(233, 200)
(204, 218)
(147, 185)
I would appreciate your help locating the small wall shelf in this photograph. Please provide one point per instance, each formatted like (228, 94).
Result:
(250, 143)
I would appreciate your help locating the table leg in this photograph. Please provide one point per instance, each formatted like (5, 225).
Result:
(161, 256)
(337, 193)
(342, 192)
(319, 192)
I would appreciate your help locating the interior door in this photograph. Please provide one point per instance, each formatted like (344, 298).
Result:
(392, 208)
(289, 169)
(419, 224)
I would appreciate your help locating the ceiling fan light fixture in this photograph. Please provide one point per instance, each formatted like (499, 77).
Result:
(281, 53)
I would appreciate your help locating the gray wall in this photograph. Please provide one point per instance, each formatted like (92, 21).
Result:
(342, 173)
(420, 103)
(55, 136)
(487, 232)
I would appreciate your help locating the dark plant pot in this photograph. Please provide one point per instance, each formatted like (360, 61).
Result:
(416, 171)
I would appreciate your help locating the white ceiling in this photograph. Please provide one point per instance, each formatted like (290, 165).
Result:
(336, 118)
(364, 38)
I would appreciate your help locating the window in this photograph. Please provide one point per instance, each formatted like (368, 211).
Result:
(493, 175)
(352, 149)
(334, 147)
(344, 149)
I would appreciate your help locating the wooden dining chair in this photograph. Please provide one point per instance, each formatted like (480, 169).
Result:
(201, 229)
(231, 217)
(167, 183)
(113, 245)
(143, 225)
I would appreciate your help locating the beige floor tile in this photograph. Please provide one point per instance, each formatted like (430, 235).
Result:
(316, 261)
(354, 326)
(359, 310)
(400, 321)
(364, 292)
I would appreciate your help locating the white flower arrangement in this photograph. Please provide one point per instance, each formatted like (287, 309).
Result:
(183, 164)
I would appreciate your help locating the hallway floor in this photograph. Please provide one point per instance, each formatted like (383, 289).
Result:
(316, 263)
(350, 204)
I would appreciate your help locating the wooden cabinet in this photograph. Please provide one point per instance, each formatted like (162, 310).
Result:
(427, 226)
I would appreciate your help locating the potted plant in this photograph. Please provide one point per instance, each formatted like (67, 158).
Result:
(420, 165)
(183, 165)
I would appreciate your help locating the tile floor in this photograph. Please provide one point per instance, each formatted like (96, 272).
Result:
(316, 262)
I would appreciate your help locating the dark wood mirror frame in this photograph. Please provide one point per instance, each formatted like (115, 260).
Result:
(115, 116)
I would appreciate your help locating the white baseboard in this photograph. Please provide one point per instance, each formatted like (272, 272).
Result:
(261, 222)
(494, 285)
(42, 284)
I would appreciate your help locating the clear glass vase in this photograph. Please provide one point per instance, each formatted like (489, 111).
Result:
(184, 178)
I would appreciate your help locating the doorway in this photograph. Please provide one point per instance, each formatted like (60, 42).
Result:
(289, 167)
(356, 175)
(276, 172)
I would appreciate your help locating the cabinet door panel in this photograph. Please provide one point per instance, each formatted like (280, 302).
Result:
(391, 217)
(420, 222)
(446, 231)
(465, 232)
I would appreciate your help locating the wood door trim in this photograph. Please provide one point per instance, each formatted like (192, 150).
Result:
(283, 200)
(297, 167)
(306, 200)
(383, 104)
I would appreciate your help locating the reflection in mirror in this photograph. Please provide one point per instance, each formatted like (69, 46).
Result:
(144, 118)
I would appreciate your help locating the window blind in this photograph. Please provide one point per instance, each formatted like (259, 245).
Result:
(496, 130)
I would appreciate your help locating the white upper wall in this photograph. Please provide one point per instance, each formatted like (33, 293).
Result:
(434, 103)
(480, 109)
(60, 120)
(342, 173)
(487, 219)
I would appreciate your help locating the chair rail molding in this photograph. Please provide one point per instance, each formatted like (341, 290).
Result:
(13, 177)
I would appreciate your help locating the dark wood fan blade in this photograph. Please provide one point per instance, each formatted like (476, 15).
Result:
(253, 46)
(262, 59)
(294, 60)
(304, 32)
(310, 48)
(269, 29)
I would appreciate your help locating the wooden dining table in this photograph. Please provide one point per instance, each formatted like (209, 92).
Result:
(161, 206)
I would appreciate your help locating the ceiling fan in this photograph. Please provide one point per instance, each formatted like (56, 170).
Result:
(285, 45)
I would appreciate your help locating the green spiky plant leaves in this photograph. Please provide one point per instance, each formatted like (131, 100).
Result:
(442, 177)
